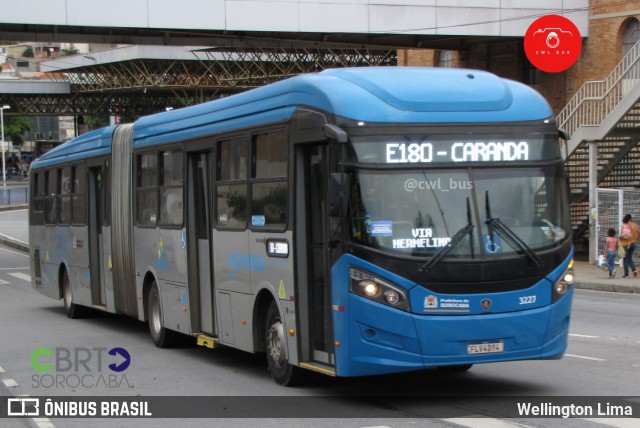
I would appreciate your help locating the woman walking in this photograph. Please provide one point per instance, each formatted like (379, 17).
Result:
(628, 239)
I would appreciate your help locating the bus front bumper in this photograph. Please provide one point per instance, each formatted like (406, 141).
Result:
(383, 340)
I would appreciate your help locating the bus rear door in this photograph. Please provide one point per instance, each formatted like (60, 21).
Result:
(96, 236)
(199, 243)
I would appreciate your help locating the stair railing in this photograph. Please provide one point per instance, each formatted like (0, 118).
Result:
(596, 99)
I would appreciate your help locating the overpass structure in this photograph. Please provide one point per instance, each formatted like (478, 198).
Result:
(133, 81)
(442, 24)
(203, 49)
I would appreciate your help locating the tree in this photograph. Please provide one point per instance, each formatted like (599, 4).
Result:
(15, 127)
(70, 50)
(96, 122)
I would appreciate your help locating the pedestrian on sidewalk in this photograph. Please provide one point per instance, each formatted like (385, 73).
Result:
(611, 251)
(628, 239)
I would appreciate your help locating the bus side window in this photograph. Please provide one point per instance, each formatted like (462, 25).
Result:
(50, 197)
(269, 190)
(64, 196)
(147, 189)
(79, 199)
(37, 199)
(171, 188)
(231, 183)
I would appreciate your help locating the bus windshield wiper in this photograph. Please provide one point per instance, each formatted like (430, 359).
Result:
(495, 225)
(457, 238)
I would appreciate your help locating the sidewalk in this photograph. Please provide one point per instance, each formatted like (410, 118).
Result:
(589, 277)
(14, 232)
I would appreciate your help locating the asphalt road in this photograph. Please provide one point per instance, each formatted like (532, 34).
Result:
(603, 360)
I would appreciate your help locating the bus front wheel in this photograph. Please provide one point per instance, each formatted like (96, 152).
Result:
(282, 372)
(162, 337)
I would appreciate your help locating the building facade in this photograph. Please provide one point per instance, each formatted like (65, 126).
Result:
(614, 27)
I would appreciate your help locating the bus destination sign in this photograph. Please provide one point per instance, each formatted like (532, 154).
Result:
(457, 151)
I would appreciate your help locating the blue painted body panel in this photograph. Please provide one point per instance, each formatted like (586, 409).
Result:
(91, 144)
(376, 339)
(390, 94)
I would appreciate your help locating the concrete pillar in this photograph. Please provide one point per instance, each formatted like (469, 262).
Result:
(593, 185)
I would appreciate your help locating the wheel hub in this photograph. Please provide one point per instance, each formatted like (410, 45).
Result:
(275, 343)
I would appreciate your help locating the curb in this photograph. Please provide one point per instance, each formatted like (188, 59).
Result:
(9, 241)
(14, 243)
(614, 288)
(14, 207)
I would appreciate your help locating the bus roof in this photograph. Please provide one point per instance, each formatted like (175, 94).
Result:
(94, 143)
(368, 94)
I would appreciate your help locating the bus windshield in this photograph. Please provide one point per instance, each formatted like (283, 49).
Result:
(417, 212)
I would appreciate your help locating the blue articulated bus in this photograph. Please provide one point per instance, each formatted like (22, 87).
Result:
(351, 222)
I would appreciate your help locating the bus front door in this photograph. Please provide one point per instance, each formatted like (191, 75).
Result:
(199, 244)
(314, 289)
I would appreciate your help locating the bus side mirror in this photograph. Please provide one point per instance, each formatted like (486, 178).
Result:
(564, 134)
(334, 132)
(338, 195)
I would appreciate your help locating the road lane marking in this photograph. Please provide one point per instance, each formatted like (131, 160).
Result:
(20, 275)
(43, 423)
(484, 422)
(585, 336)
(584, 358)
(10, 383)
(40, 422)
(3, 282)
(1, 369)
(615, 422)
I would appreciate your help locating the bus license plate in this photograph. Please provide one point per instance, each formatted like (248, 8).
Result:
(485, 348)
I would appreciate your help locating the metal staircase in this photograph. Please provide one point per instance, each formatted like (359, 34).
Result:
(608, 113)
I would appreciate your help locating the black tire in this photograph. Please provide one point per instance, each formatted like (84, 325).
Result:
(281, 371)
(455, 369)
(73, 310)
(162, 337)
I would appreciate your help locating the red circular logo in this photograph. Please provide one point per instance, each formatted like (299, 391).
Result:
(552, 43)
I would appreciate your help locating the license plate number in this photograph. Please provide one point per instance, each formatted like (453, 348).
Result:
(485, 348)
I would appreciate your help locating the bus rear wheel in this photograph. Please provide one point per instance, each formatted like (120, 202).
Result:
(73, 310)
(282, 372)
(162, 337)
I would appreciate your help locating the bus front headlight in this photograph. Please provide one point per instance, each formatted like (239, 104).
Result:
(369, 288)
(374, 288)
(564, 283)
(568, 277)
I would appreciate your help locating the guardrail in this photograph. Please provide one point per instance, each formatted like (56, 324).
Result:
(14, 196)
